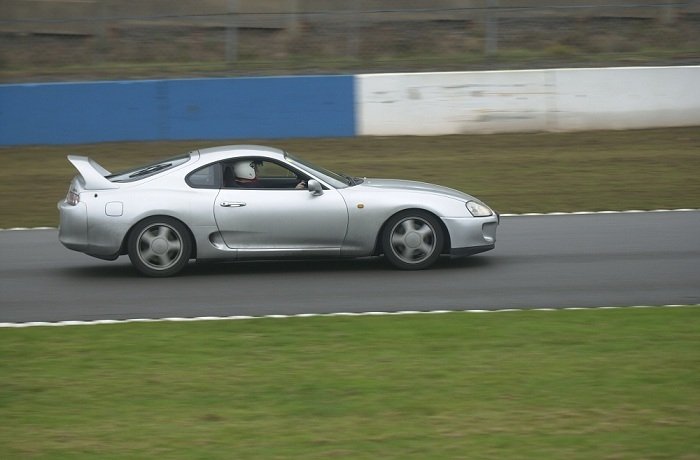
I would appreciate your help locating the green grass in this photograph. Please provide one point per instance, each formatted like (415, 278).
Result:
(538, 172)
(617, 384)
(555, 55)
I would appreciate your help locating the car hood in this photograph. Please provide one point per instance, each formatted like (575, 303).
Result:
(413, 186)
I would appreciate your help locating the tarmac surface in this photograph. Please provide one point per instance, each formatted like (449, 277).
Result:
(550, 261)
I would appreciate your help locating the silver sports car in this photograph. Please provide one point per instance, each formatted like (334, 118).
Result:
(251, 202)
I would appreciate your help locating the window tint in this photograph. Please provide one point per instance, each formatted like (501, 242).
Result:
(268, 169)
(149, 170)
(334, 179)
(206, 177)
(269, 174)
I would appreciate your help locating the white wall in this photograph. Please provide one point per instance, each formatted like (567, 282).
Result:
(527, 100)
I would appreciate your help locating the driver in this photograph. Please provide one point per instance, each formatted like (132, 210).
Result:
(245, 173)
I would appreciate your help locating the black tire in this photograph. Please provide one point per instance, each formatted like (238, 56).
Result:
(159, 246)
(412, 240)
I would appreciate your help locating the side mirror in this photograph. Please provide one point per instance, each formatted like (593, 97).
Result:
(314, 187)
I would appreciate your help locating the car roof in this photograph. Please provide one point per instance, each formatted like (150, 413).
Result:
(226, 151)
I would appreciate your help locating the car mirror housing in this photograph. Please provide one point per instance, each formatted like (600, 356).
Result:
(315, 187)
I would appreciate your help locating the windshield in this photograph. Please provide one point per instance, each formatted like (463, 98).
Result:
(334, 179)
(148, 170)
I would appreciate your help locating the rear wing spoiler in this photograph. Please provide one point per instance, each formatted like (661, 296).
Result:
(92, 173)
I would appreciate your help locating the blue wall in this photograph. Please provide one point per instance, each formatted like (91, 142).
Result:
(226, 108)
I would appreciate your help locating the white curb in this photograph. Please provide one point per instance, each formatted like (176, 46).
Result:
(311, 315)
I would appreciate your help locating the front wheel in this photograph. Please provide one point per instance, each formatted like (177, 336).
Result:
(159, 246)
(413, 240)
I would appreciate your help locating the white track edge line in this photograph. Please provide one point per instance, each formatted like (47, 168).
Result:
(591, 213)
(527, 214)
(320, 315)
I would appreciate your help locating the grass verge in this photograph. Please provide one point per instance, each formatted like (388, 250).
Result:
(569, 384)
(551, 56)
(538, 172)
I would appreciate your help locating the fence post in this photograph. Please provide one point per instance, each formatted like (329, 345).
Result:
(491, 39)
(100, 46)
(353, 40)
(668, 13)
(231, 33)
(292, 21)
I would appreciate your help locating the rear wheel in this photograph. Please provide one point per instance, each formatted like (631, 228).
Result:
(159, 246)
(413, 240)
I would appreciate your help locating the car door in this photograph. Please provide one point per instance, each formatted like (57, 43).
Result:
(281, 221)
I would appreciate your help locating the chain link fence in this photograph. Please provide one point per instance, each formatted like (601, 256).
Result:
(123, 39)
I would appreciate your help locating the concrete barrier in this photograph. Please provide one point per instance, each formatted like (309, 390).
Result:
(333, 106)
(528, 100)
(225, 108)
(625, 98)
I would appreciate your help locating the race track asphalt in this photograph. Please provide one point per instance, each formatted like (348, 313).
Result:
(539, 262)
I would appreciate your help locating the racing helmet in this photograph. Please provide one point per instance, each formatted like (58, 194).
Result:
(244, 169)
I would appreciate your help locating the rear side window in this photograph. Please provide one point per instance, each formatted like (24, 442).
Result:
(149, 170)
(206, 177)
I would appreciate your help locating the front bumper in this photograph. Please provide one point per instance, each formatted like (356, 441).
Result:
(472, 235)
(464, 252)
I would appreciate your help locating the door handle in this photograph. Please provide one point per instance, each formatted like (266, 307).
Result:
(231, 204)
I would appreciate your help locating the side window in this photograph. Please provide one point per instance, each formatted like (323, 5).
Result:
(268, 174)
(206, 177)
(270, 170)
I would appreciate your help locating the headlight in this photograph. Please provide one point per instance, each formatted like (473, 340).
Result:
(478, 209)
